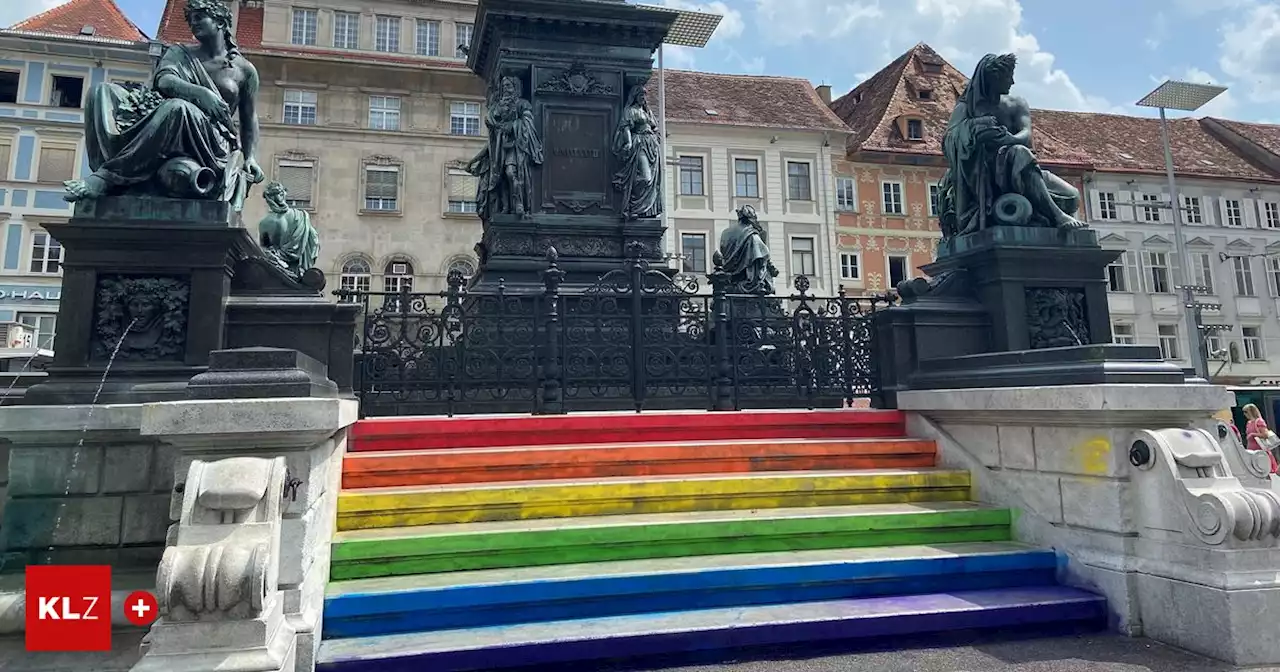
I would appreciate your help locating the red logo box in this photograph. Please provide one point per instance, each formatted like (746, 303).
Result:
(68, 608)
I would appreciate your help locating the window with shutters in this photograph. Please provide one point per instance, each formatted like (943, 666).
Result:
(57, 164)
(1158, 281)
(356, 277)
(1244, 276)
(386, 34)
(1202, 271)
(1191, 210)
(1122, 272)
(384, 113)
(1151, 207)
(462, 191)
(1273, 271)
(1232, 213)
(346, 30)
(427, 42)
(382, 188)
(298, 178)
(4, 161)
(46, 254)
(1107, 208)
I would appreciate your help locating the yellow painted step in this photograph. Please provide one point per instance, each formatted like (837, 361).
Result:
(450, 504)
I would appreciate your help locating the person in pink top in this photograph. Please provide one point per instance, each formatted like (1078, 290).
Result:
(1259, 436)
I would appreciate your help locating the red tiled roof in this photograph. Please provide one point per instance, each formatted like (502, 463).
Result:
(70, 18)
(744, 100)
(1266, 136)
(1123, 144)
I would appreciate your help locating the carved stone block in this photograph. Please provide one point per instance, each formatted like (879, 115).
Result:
(140, 318)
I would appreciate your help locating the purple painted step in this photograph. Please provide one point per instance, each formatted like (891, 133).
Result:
(687, 631)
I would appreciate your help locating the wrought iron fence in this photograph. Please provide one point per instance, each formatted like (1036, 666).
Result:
(637, 339)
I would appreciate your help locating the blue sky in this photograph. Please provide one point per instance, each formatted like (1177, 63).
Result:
(1098, 55)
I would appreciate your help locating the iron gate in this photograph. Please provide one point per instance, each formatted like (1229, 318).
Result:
(637, 339)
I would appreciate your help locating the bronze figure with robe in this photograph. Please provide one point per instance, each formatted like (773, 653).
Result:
(505, 165)
(177, 136)
(744, 256)
(286, 233)
(638, 147)
(993, 176)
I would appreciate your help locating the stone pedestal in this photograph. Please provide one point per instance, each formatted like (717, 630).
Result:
(310, 434)
(1184, 552)
(144, 283)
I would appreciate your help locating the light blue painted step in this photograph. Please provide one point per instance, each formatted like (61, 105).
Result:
(473, 599)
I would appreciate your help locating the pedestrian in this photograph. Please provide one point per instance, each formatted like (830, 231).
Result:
(1259, 436)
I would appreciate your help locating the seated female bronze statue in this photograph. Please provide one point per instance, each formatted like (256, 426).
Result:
(177, 137)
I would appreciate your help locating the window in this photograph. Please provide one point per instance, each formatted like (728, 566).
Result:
(397, 277)
(4, 162)
(1151, 209)
(1168, 335)
(427, 42)
(925, 94)
(346, 30)
(1122, 273)
(462, 265)
(355, 277)
(803, 257)
(693, 247)
(300, 108)
(462, 39)
(384, 113)
(915, 129)
(57, 164)
(304, 27)
(1202, 271)
(9, 86)
(1271, 214)
(46, 253)
(1192, 212)
(897, 270)
(1107, 205)
(1252, 338)
(846, 194)
(381, 188)
(1273, 270)
(1158, 273)
(462, 191)
(67, 91)
(891, 203)
(386, 35)
(464, 118)
(691, 176)
(1244, 276)
(935, 199)
(44, 325)
(746, 178)
(1232, 214)
(799, 187)
(1213, 347)
(850, 266)
(298, 178)
(1122, 333)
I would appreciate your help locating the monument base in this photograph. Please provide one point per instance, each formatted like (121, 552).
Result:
(1075, 365)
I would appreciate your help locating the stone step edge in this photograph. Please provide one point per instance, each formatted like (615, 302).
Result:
(627, 445)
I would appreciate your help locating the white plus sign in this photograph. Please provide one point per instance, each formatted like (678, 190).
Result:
(141, 608)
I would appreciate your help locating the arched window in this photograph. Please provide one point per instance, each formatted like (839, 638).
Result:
(464, 265)
(355, 277)
(397, 277)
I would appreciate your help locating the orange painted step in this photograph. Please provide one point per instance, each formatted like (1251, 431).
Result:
(437, 467)
(492, 431)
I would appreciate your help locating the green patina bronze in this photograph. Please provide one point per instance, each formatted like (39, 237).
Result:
(286, 233)
(993, 177)
(177, 137)
(744, 256)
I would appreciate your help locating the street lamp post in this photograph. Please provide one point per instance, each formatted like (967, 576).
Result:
(1186, 97)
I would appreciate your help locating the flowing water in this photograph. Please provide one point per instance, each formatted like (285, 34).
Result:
(18, 376)
(75, 456)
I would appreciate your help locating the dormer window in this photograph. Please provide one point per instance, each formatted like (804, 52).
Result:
(932, 68)
(925, 94)
(915, 129)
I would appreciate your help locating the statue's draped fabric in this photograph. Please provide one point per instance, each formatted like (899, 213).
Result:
(746, 259)
(288, 234)
(130, 133)
(505, 164)
(639, 149)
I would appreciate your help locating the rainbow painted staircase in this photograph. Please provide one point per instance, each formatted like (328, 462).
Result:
(487, 542)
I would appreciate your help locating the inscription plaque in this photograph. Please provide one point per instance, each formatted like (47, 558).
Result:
(576, 169)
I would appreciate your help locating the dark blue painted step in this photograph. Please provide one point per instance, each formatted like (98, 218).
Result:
(538, 594)
(683, 632)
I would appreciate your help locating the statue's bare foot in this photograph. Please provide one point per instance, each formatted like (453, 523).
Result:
(87, 189)
(1068, 222)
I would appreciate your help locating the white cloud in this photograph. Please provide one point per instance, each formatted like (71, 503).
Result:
(960, 30)
(13, 11)
(1250, 48)
(730, 27)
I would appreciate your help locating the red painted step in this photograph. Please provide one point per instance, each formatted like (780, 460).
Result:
(487, 465)
(492, 431)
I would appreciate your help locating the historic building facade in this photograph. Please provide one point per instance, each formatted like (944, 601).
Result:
(764, 142)
(47, 64)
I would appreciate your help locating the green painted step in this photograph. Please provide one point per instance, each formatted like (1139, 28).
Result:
(527, 543)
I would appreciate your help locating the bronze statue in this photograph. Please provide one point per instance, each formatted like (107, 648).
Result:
(286, 233)
(505, 165)
(177, 137)
(993, 177)
(744, 256)
(639, 149)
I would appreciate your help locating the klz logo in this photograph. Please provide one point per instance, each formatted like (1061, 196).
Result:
(68, 608)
